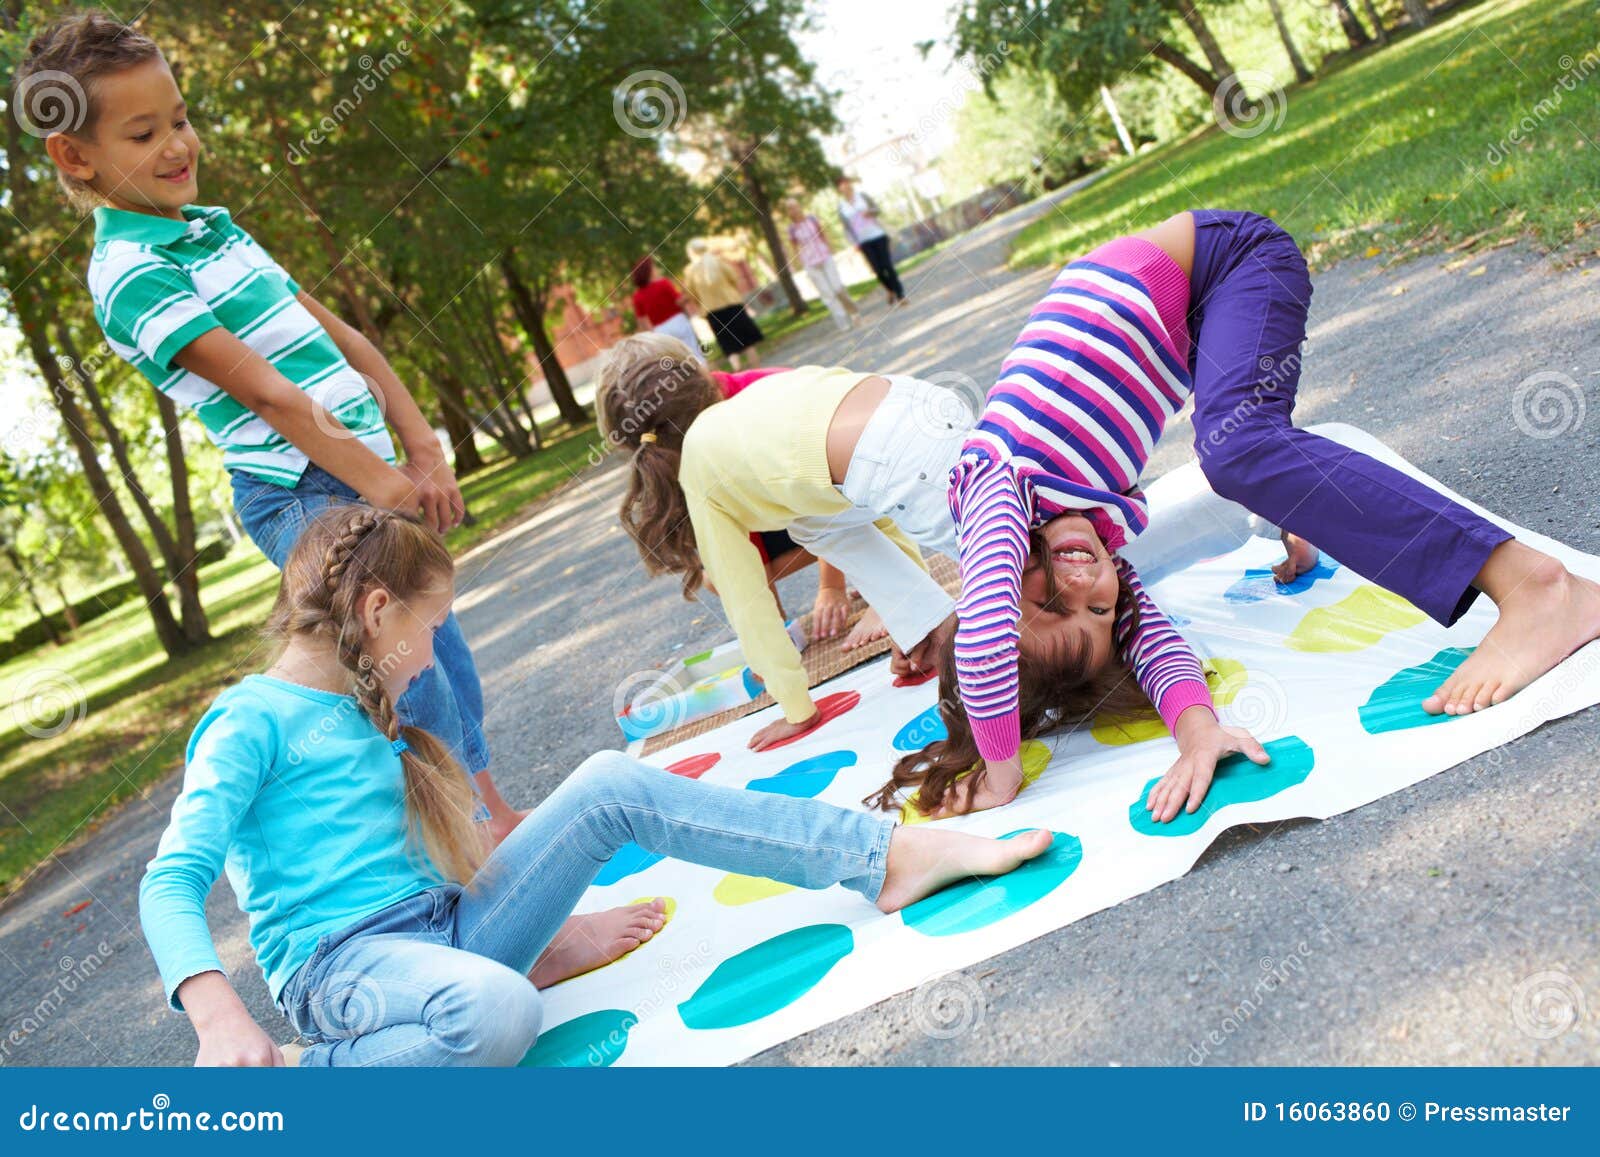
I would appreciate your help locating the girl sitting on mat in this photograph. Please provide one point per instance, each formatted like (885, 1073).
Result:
(347, 838)
(851, 464)
(1210, 304)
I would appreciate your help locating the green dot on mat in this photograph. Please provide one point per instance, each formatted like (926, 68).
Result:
(771, 975)
(1237, 781)
(980, 901)
(594, 1040)
(1396, 703)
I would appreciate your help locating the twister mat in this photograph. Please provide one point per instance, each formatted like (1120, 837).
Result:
(1327, 672)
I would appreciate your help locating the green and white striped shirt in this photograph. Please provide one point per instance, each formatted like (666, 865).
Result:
(159, 283)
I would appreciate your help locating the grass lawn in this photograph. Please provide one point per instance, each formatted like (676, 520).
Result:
(1406, 150)
(138, 707)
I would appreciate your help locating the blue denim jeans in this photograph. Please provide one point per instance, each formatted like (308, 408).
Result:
(445, 700)
(441, 977)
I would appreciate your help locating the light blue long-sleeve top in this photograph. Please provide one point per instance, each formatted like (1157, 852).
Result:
(302, 799)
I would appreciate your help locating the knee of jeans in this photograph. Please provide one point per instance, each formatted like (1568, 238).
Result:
(490, 1017)
(1226, 458)
(607, 776)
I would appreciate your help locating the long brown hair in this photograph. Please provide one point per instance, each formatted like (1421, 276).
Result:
(651, 390)
(54, 87)
(1057, 689)
(344, 553)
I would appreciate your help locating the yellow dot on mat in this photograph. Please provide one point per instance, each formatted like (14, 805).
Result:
(1354, 623)
(1035, 758)
(671, 906)
(734, 890)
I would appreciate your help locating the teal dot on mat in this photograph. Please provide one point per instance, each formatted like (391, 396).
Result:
(807, 778)
(1396, 703)
(630, 858)
(921, 731)
(592, 1041)
(1237, 781)
(980, 901)
(771, 975)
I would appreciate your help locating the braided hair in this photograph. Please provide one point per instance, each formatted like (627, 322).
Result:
(344, 554)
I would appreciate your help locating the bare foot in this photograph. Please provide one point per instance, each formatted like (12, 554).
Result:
(595, 939)
(501, 824)
(922, 860)
(868, 628)
(1302, 557)
(1546, 613)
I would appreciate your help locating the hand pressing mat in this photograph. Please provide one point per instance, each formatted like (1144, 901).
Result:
(1328, 673)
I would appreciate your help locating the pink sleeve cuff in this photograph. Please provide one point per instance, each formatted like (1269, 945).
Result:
(999, 737)
(1182, 696)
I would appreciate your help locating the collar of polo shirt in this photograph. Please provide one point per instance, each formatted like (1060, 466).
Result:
(148, 229)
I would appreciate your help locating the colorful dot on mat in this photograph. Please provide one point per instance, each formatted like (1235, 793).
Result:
(922, 730)
(695, 766)
(830, 707)
(807, 778)
(980, 901)
(629, 860)
(594, 1040)
(771, 975)
(1396, 703)
(1258, 583)
(1237, 781)
(734, 890)
(1122, 732)
(915, 680)
(1035, 758)
(1354, 623)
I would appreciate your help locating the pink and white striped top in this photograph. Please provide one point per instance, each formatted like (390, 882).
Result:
(806, 235)
(1082, 399)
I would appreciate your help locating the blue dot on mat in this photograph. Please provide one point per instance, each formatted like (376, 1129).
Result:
(594, 1040)
(771, 975)
(980, 901)
(807, 778)
(630, 859)
(921, 731)
(1258, 583)
(1396, 703)
(1237, 781)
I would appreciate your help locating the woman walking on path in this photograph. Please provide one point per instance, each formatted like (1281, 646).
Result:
(661, 306)
(858, 213)
(814, 251)
(714, 284)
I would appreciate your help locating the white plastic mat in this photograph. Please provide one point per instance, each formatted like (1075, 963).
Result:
(747, 964)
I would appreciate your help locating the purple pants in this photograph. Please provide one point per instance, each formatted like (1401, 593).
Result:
(1249, 293)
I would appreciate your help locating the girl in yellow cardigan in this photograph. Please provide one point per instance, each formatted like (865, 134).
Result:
(853, 465)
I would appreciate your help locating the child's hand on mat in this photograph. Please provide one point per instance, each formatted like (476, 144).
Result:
(781, 730)
(1201, 742)
(991, 785)
(829, 613)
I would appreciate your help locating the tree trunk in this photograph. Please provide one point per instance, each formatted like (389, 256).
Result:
(179, 563)
(25, 577)
(1208, 43)
(1418, 11)
(1353, 31)
(1208, 82)
(1378, 29)
(1115, 114)
(68, 611)
(462, 443)
(195, 627)
(769, 231)
(149, 580)
(1296, 61)
(529, 309)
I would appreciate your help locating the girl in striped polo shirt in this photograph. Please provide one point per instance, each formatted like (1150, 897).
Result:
(1210, 304)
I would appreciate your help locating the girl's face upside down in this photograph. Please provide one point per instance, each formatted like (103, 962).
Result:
(1069, 598)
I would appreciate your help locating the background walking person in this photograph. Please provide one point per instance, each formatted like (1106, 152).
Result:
(661, 306)
(714, 284)
(858, 213)
(814, 251)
